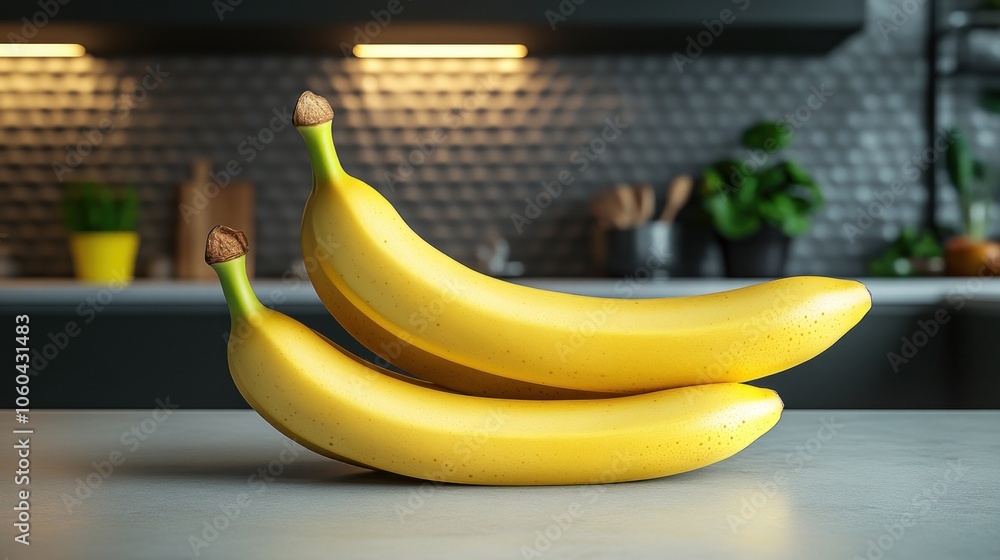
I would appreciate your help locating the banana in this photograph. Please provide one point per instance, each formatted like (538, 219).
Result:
(400, 352)
(335, 405)
(379, 369)
(425, 365)
(446, 323)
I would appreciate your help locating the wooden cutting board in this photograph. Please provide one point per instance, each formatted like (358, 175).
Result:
(202, 205)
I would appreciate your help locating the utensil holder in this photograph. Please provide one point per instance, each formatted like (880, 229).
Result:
(643, 251)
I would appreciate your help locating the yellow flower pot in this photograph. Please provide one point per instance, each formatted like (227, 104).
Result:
(104, 256)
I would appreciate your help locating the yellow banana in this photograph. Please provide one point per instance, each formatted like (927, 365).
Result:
(337, 406)
(415, 361)
(379, 369)
(447, 323)
(425, 365)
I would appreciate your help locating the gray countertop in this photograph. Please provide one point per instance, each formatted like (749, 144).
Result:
(822, 484)
(293, 291)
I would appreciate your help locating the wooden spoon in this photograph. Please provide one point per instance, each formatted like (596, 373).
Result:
(624, 216)
(677, 196)
(646, 202)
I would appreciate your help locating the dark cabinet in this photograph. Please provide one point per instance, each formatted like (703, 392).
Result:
(128, 355)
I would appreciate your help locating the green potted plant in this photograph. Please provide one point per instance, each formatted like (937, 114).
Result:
(756, 207)
(102, 237)
(913, 253)
(971, 253)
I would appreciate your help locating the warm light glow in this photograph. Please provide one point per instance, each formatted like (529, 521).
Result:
(41, 49)
(440, 51)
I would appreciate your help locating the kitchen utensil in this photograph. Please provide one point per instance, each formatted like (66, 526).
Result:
(191, 221)
(623, 217)
(615, 209)
(677, 196)
(645, 203)
(235, 205)
(203, 204)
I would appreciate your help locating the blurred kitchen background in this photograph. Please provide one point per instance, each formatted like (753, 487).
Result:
(508, 126)
(173, 97)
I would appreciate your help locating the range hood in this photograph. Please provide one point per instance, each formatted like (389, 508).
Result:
(334, 27)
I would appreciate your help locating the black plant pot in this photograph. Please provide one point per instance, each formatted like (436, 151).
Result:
(762, 255)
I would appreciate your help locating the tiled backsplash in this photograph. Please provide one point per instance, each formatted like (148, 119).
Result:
(481, 136)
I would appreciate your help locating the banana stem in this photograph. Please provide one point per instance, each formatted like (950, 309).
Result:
(240, 297)
(226, 251)
(312, 117)
(322, 153)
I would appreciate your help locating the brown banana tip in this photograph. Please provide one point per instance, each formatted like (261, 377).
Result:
(225, 244)
(311, 110)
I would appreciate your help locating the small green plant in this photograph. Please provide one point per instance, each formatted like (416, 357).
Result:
(898, 258)
(91, 207)
(975, 183)
(743, 196)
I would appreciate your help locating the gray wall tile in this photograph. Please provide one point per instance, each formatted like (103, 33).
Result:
(523, 127)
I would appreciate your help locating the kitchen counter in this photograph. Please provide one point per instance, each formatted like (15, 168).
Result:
(293, 291)
(821, 484)
(75, 326)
